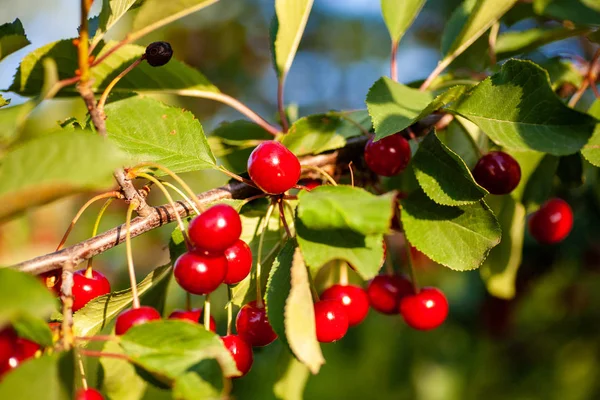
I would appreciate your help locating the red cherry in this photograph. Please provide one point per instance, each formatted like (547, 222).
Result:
(240, 351)
(253, 325)
(52, 280)
(133, 317)
(425, 310)
(193, 315)
(216, 228)
(388, 156)
(273, 168)
(497, 172)
(331, 321)
(88, 288)
(23, 350)
(8, 341)
(239, 262)
(386, 291)
(354, 300)
(552, 223)
(88, 394)
(200, 273)
(310, 184)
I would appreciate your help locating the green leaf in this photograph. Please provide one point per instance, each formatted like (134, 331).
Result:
(316, 134)
(34, 329)
(291, 17)
(469, 22)
(112, 11)
(518, 110)
(591, 151)
(12, 38)
(345, 208)
(169, 348)
(3, 101)
(149, 130)
(56, 165)
(156, 13)
(562, 71)
(528, 162)
(584, 12)
(465, 139)
(443, 175)
(540, 182)
(499, 271)
(21, 295)
(394, 106)
(49, 377)
(399, 16)
(191, 386)
(232, 143)
(457, 237)
(99, 312)
(121, 382)
(512, 43)
(291, 383)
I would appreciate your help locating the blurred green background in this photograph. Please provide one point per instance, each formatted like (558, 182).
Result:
(544, 344)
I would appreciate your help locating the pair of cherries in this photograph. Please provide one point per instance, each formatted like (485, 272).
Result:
(14, 350)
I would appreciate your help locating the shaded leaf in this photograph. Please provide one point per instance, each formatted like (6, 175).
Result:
(291, 383)
(443, 175)
(499, 271)
(540, 182)
(56, 165)
(518, 110)
(23, 295)
(562, 71)
(585, 12)
(291, 17)
(399, 16)
(512, 43)
(458, 237)
(33, 328)
(99, 312)
(12, 38)
(121, 382)
(149, 130)
(465, 139)
(591, 151)
(191, 386)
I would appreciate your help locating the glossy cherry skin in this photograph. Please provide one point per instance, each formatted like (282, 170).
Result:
(216, 229)
(273, 168)
(241, 352)
(498, 172)
(200, 273)
(386, 291)
(253, 325)
(23, 350)
(310, 184)
(239, 262)
(425, 310)
(86, 289)
(331, 321)
(552, 223)
(388, 156)
(194, 315)
(353, 299)
(133, 317)
(88, 394)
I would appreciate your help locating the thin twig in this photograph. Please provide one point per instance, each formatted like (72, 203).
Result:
(283, 219)
(281, 105)
(393, 61)
(112, 84)
(95, 353)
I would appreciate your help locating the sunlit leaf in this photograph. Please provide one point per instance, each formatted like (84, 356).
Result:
(12, 38)
(120, 380)
(399, 16)
(291, 17)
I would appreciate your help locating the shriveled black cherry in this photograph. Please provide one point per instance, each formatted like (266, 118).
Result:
(241, 352)
(331, 321)
(388, 156)
(87, 287)
(273, 168)
(216, 229)
(158, 53)
(135, 316)
(498, 172)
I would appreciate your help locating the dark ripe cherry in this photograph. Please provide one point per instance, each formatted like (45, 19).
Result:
(8, 341)
(200, 273)
(310, 184)
(216, 229)
(241, 352)
(253, 325)
(239, 262)
(52, 280)
(386, 291)
(133, 317)
(273, 168)
(23, 350)
(88, 288)
(497, 172)
(193, 315)
(425, 310)
(388, 156)
(353, 299)
(158, 53)
(331, 321)
(552, 223)
(88, 394)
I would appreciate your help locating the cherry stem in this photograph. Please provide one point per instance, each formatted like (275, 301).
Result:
(88, 270)
(393, 61)
(97, 338)
(136, 300)
(343, 274)
(313, 289)
(259, 300)
(206, 311)
(229, 309)
(586, 82)
(351, 173)
(322, 172)
(492, 38)
(281, 106)
(236, 177)
(389, 266)
(283, 219)
(177, 178)
(84, 383)
(95, 353)
(434, 74)
(183, 196)
(112, 84)
(258, 196)
(188, 301)
(411, 267)
(81, 211)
